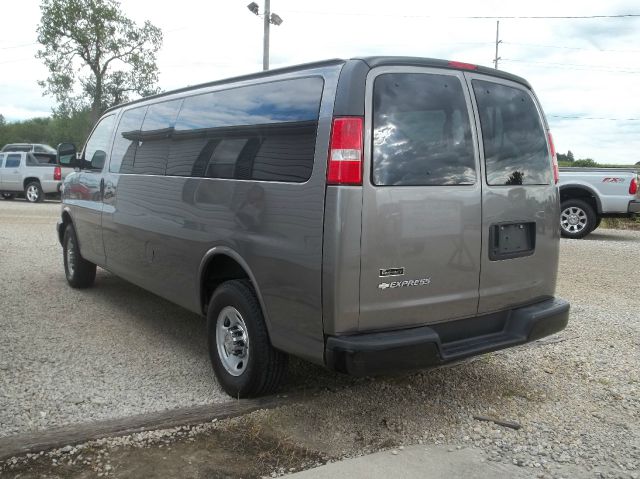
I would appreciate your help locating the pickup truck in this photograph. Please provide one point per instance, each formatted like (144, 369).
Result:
(22, 173)
(589, 194)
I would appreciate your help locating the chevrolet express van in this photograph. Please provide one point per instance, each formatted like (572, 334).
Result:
(369, 215)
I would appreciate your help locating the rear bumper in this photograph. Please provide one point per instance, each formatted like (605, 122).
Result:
(634, 207)
(384, 352)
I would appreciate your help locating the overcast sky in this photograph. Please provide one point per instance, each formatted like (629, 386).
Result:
(586, 68)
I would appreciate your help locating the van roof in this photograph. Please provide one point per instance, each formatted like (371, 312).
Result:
(371, 62)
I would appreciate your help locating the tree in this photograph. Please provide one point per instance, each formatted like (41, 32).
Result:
(586, 163)
(570, 156)
(2, 120)
(95, 55)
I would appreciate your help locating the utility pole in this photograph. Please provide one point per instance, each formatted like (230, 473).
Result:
(498, 41)
(267, 22)
(269, 18)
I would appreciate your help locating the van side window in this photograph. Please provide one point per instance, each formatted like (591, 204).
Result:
(261, 132)
(421, 131)
(155, 138)
(515, 144)
(95, 151)
(127, 140)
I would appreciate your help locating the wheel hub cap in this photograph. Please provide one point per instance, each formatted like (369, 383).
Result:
(232, 341)
(573, 219)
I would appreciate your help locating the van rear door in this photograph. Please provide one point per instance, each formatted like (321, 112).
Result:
(520, 227)
(421, 213)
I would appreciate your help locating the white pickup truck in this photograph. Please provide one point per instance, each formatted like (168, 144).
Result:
(22, 173)
(590, 194)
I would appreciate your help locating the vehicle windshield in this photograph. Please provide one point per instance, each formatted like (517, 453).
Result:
(17, 148)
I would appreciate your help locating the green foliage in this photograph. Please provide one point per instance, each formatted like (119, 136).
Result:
(570, 156)
(96, 56)
(585, 163)
(51, 131)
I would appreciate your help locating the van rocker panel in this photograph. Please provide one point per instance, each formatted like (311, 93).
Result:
(389, 351)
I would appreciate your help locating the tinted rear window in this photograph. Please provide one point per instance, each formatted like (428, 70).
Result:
(260, 132)
(421, 131)
(13, 161)
(515, 145)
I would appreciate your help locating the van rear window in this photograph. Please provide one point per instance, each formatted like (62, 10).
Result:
(421, 131)
(515, 144)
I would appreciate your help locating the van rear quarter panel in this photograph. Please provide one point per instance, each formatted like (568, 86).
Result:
(163, 227)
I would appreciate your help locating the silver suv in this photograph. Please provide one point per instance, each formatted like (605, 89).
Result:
(369, 215)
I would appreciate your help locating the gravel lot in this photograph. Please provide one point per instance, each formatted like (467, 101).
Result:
(116, 350)
(71, 356)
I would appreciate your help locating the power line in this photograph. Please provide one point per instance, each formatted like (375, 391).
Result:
(573, 66)
(470, 17)
(591, 118)
(570, 48)
(18, 46)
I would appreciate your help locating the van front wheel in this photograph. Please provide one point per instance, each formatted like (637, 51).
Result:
(80, 273)
(243, 359)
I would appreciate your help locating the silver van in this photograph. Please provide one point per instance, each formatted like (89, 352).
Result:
(368, 215)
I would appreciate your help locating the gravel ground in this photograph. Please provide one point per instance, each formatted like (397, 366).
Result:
(575, 394)
(70, 356)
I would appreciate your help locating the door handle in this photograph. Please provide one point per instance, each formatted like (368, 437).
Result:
(101, 186)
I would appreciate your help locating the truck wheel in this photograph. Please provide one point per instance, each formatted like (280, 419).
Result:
(577, 219)
(8, 196)
(80, 272)
(33, 192)
(243, 359)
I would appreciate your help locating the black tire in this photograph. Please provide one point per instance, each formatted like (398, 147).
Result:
(580, 211)
(598, 221)
(266, 367)
(8, 196)
(80, 273)
(33, 192)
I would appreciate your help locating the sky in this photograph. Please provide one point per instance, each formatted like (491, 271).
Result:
(586, 72)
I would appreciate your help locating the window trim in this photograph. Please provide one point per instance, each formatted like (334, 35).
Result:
(368, 136)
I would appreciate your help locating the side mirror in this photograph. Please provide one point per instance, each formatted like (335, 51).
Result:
(66, 155)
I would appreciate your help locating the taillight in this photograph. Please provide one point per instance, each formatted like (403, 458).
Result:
(554, 159)
(633, 186)
(57, 173)
(345, 152)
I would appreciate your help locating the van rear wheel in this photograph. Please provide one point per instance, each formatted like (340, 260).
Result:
(243, 359)
(80, 273)
(577, 219)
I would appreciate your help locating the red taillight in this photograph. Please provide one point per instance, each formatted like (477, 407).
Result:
(554, 159)
(463, 65)
(57, 173)
(345, 152)
(633, 186)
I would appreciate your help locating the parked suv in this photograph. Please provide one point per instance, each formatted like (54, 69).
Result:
(23, 173)
(369, 215)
